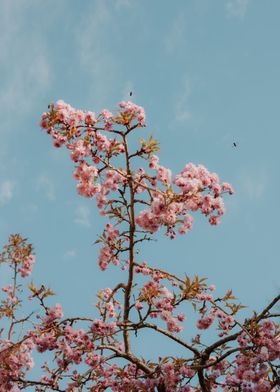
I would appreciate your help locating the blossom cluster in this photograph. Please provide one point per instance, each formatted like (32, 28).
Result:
(18, 254)
(72, 346)
(27, 265)
(163, 305)
(15, 362)
(133, 111)
(200, 190)
(107, 251)
(97, 353)
(11, 298)
(252, 369)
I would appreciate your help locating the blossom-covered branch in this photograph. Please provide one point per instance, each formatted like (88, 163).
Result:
(140, 197)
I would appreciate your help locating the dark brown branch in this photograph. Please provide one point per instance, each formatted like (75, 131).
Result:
(267, 309)
(220, 342)
(130, 357)
(171, 336)
(132, 228)
(27, 383)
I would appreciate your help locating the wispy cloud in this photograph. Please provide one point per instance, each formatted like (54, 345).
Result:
(236, 8)
(82, 216)
(182, 106)
(46, 185)
(70, 254)
(29, 209)
(253, 183)
(176, 36)
(123, 3)
(25, 72)
(95, 53)
(24, 84)
(6, 191)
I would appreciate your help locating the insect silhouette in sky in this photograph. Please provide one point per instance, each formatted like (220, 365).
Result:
(234, 144)
(130, 94)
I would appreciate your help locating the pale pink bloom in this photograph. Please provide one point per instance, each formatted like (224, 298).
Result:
(106, 114)
(129, 107)
(164, 175)
(104, 257)
(54, 313)
(187, 371)
(205, 322)
(214, 220)
(148, 221)
(44, 123)
(227, 188)
(27, 266)
(101, 328)
(101, 142)
(90, 118)
(80, 148)
(181, 317)
(154, 159)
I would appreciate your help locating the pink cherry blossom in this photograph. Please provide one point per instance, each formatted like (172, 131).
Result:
(98, 352)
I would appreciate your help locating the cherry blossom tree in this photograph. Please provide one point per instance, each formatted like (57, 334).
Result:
(140, 197)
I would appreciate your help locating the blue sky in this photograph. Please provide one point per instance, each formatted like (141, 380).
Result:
(207, 73)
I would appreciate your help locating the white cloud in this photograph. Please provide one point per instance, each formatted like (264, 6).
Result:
(6, 191)
(237, 8)
(253, 183)
(182, 107)
(96, 53)
(29, 209)
(90, 39)
(82, 216)
(23, 63)
(24, 84)
(175, 38)
(46, 185)
(182, 114)
(70, 254)
(123, 3)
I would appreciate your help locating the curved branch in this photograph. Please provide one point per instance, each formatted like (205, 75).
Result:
(130, 357)
(267, 309)
(171, 336)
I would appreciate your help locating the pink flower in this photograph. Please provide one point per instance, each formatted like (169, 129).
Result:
(106, 114)
(138, 305)
(226, 187)
(54, 313)
(206, 322)
(27, 266)
(181, 317)
(134, 110)
(90, 118)
(214, 220)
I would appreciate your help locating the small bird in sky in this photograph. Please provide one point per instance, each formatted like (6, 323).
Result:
(130, 94)
(234, 144)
